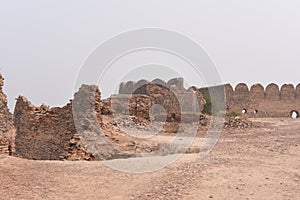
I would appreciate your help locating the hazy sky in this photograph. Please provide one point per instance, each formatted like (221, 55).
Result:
(44, 43)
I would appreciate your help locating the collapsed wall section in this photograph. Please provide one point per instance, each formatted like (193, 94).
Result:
(44, 133)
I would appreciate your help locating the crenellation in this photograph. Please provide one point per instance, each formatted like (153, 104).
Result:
(297, 91)
(241, 96)
(272, 92)
(160, 82)
(287, 92)
(130, 87)
(264, 102)
(257, 92)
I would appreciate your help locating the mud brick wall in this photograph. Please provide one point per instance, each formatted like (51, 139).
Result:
(6, 124)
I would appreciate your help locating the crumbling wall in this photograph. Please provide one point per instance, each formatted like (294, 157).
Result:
(130, 87)
(178, 103)
(157, 100)
(7, 131)
(44, 133)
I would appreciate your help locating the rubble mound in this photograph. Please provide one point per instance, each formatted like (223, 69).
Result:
(237, 122)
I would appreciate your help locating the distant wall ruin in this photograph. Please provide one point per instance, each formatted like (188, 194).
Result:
(256, 101)
(179, 104)
(130, 87)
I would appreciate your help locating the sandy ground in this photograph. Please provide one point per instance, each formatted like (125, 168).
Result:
(257, 163)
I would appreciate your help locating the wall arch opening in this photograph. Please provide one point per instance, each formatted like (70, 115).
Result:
(294, 114)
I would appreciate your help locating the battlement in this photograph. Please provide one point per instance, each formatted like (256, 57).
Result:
(271, 101)
(130, 87)
(254, 101)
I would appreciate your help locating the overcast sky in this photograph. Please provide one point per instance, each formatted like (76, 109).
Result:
(44, 43)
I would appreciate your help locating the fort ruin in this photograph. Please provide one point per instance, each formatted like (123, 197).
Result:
(255, 101)
(44, 133)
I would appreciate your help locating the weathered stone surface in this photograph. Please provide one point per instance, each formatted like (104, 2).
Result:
(287, 92)
(241, 95)
(237, 122)
(45, 133)
(257, 92)
(272, 92)
(140, 86)
(130, 87)
(160, 82)
(298, 91)
(229, 95)
(122, 88)
(176, 83)
(7, 131)
(269, 102)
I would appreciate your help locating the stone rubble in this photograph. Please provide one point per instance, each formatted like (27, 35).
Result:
(237, 122)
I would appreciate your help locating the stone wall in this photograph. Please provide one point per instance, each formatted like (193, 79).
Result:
(44, 133)
(130, 87)
(6, 124)
(258, 101)
(178, 103)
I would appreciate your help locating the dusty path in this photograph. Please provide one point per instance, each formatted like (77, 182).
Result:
(259, 163)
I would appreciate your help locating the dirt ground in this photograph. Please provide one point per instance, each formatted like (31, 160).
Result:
(256, 163)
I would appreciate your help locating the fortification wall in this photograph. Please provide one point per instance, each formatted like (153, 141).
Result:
(7, 131)
(272, 101)
(256, 101)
